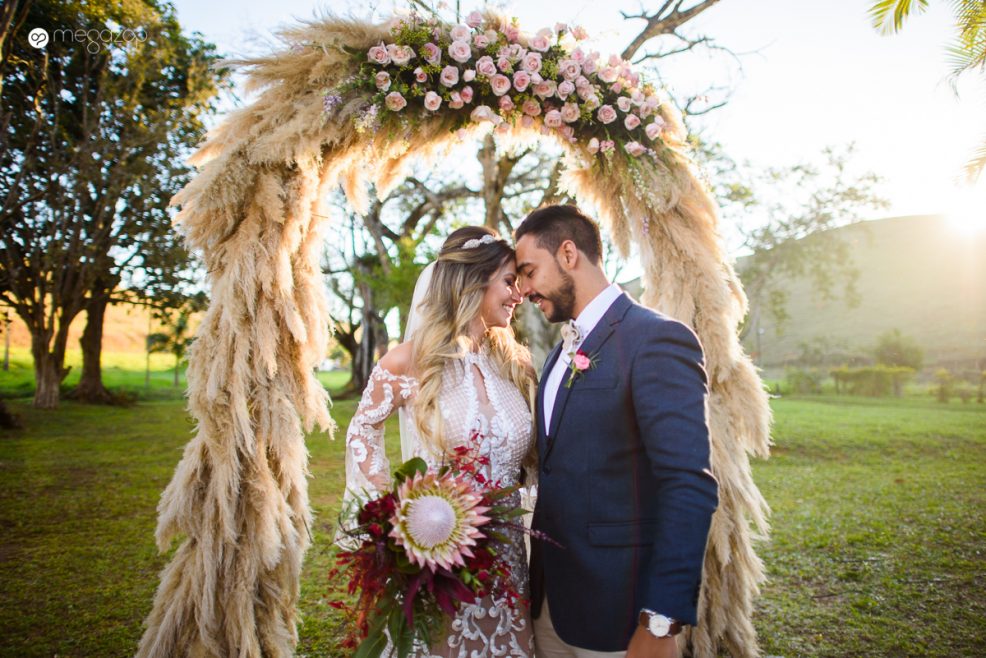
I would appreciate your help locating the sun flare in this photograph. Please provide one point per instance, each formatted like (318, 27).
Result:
(967, 212)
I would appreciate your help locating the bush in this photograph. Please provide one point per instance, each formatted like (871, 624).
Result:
(873, 381)
(946, 384)
(804, 381)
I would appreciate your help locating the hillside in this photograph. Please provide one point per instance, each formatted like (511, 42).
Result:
(916, 274)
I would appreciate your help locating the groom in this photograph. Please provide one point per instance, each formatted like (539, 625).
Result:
(624, 483)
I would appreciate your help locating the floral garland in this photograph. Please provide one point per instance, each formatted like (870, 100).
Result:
(487, 70)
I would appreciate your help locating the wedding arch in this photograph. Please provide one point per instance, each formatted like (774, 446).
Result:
(352, 103)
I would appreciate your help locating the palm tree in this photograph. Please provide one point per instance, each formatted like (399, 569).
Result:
(966, 53)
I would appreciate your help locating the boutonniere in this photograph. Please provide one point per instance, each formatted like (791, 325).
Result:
(579, 363)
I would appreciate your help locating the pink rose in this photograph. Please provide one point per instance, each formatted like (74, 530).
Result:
(570, 112)
(590, 65)
(474, 19)
(591, 101)
(655, 129)
(609, 74)
(593, 146)
(504, 65)
(585, 92)
(578, 55)
(460, 51)
(560, 27)
(485, 66)
(635, 148)
(616, 87)
(468, 75)
(460, 33)
(606, 146)
(521, 80)
(565, 89)
(545, 89)
(531, 62)
(580, 33)
(614, 60)
(540, 43)
(466, 94)
(378, 55)
(581, 361)
(553, 119)
(449, 76)
(480, 41)
(491, 35)
(455, 100)
(633, 78)
(631, 121)
(606, 114)
(484, 113)
(400, 55)
(512, 32)
(395, 101)
(506, 104)
(420, 75)
(500, 84)
(382, 80)
(432, 101)
(431, 54)
(581, 81)
(569, 69)
(531, 107)
(623, 103)
(514, 52)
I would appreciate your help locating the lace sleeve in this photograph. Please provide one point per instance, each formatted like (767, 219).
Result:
(367, 466)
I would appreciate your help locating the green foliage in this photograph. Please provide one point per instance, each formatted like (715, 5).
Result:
(946, 384)
(804, 381)
(895, 349)
(873, 381)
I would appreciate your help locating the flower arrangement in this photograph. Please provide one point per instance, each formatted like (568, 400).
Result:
(422, 549)
(579, 363)
(487, 70)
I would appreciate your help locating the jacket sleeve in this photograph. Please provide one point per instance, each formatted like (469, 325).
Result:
(670, 390)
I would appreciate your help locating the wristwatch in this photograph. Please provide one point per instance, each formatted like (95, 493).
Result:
(659, 625)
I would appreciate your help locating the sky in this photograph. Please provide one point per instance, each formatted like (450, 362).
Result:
(811, 74)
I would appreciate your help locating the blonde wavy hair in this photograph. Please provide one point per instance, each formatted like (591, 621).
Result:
(454, 298)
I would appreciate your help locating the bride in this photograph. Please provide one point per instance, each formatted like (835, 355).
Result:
(460, 378)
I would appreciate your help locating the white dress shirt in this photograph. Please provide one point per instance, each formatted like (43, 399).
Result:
(586, 322)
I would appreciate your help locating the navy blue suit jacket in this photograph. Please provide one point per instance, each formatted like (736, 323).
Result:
(624, 482)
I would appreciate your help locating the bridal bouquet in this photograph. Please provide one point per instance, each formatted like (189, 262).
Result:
(421, 550)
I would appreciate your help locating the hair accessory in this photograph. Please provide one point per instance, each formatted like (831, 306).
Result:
(475, 242)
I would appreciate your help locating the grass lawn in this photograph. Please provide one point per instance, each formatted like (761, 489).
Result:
(877, 547)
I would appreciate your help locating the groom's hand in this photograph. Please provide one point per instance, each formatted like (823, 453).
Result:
(645, 645)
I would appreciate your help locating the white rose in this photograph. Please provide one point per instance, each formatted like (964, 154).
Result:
(468, 75)
(432, 101)
(400, 55)
(593, 145)
(382, 80)
(484, 113)
(623, 103)
(460, 33)
(420, 75)
(460, 51)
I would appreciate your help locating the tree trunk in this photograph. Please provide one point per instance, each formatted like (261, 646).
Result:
(90, 388)
(177, 365)
(48, 376)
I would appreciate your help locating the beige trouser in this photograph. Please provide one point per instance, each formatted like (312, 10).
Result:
(547, 644)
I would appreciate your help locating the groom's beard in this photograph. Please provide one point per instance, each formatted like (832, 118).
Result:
(563, 299)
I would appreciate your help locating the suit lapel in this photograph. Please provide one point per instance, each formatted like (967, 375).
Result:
(592, 344)
(548, 365)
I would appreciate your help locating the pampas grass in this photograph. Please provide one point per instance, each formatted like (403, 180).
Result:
(238, 500)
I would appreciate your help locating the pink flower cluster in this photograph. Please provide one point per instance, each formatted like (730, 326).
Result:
(499, 71)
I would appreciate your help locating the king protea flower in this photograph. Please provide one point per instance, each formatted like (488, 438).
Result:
(438, 519)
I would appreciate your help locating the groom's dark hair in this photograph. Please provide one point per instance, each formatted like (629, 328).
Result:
(552, 225)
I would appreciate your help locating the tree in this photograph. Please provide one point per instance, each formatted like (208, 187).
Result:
(177, 336)
(796, 208)
(894, 349)
(966, 53)
(93, 135)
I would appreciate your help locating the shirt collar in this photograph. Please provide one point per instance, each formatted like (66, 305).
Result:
(596, 309)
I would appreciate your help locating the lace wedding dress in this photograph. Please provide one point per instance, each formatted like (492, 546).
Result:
(482, 409)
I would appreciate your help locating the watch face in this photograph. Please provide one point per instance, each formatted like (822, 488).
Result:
(659, 625)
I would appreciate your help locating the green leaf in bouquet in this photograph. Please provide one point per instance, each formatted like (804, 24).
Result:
(376, 640)
(409, 468)
(401, 634)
